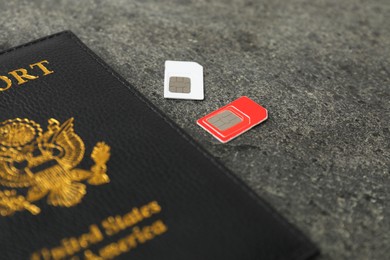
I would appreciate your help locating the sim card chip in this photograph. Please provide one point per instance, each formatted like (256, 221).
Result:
(224, 120)
(180, 84)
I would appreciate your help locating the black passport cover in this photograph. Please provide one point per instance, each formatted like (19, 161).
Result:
(89, 169)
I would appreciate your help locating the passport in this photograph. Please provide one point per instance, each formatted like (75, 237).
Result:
(90, 169)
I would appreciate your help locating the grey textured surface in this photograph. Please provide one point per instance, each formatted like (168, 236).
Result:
(321, 68)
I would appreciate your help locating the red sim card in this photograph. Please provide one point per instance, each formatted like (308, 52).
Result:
(233, 119)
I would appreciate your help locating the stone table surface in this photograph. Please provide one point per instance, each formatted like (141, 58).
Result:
(322, 68)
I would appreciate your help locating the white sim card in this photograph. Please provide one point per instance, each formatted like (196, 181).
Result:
(183, 80)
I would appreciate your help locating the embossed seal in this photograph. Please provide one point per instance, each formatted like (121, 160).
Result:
(45, 163)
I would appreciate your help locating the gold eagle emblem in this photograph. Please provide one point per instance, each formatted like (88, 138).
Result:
(45, 164)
